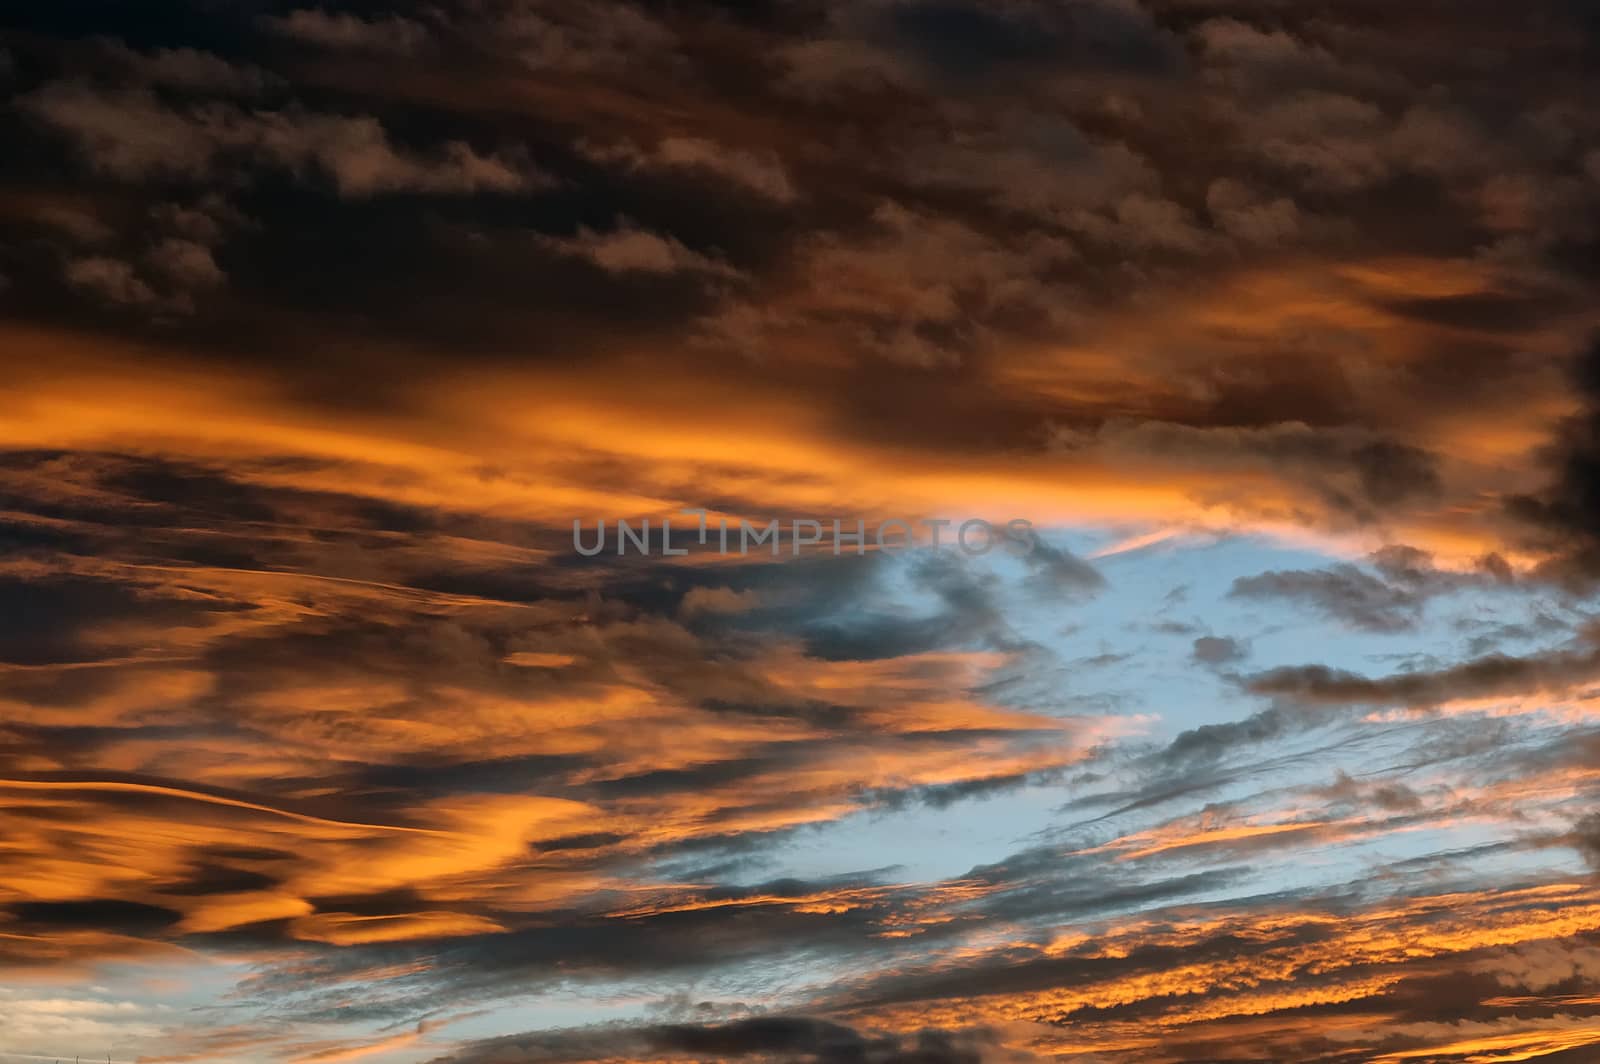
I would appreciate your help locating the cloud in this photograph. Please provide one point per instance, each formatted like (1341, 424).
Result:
(191, 69)
(627, 249)
(127, 133)
(1246, 216)
(1060, 572)
(1346, 593)
(795, 1038)
(1491, 676)
(111, 279)
(968, 41)
(585, 37)
(701, 600)
(1390, 596)
(187, 262)
(391, 33)
(828, 66)
(911, 290)
(131, 134)
(1568, 508)
(1352, 469)
(1219, 650)
(760, 172)
(310, 367)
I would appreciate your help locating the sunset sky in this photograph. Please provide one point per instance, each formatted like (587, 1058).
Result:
(322, 325)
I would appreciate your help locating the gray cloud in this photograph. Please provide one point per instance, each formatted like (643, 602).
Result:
(1219, 650)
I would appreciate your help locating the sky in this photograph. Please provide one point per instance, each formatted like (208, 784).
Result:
(1270, 734)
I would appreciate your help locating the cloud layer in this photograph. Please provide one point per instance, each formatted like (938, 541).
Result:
(324, 324)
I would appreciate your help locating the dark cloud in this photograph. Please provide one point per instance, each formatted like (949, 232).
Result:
(59, 621)
(1586, 837)
(1569, 508)
(1491, 676)
(97, 913)
(1393, 472)
(394, 34)
(788, 1038)
(1391, 597)
(132, 134)
(1353, 470)
(1211, 741)
(969, 612)
(815, 1040)
(1059, 572)
(1345, 593)
(1219, 650)
(963, 41)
